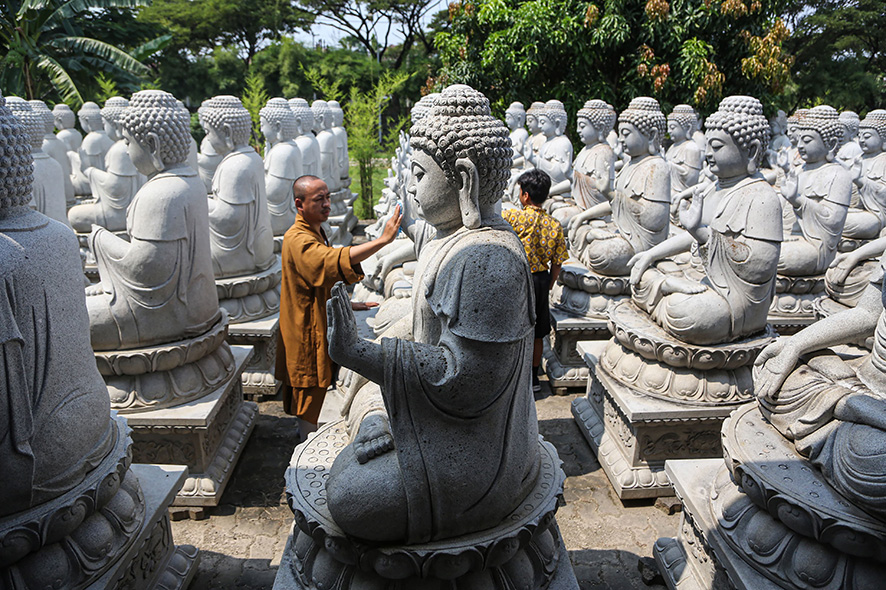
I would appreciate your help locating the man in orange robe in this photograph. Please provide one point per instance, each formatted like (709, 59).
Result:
(310, 268)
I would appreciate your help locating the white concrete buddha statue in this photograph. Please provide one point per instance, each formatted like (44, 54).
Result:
(515, 119)
(868, 172)
(684, 156)
(55, 148)
(639, 203)
(849, 148)
(48, 187)
(158, 287)
(92, 151)
(283, 162)
(696, 133)
(305, 138)
(239, 223)
(329, 157)
(778, 124)
(593, 171)
(555, 154)
(819, 194)
(341, 135)
(113, 187)
(736, 223)
(65, 119)
(536, 137)
(193, 150)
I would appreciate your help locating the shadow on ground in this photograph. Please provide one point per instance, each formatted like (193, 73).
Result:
(217, 571)
(612, 569)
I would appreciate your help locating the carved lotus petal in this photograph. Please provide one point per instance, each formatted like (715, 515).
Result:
(675, 356)
(815, 565)
(851, 541)
(502, 552)
(447, 566)
(655, 378)
(686, 386)
(395, 566)
(765, 536)
(17, 544)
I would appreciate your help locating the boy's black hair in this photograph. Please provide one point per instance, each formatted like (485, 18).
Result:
(536, 183)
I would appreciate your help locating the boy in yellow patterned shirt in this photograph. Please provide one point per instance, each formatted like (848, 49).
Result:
(545, 246)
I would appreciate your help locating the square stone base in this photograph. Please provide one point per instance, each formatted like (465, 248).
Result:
(154, 562)
(633, 435)
(564, 366)
(258, 379)
(699, 558)
(207, 435)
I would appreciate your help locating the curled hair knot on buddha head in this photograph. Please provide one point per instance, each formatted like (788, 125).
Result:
(876, 120)
(157, 112)
(645, 114)
(685, 117)
(600, 114)
(302, 112)
(826, 121)
(227, 110)
(41, 109)
(65, 114)
(322, 115)
(459, 126)
(16, 162)
(30, 120)
(113, 109)
(556, 112)
(851, 121)
(277, 111)
(743, 119)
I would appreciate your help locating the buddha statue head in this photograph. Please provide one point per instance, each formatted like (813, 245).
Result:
(737, 137)
(277, 121)
(420, 109)
(552, 119)
(594, 121)
(41, 109)
(791, 125)
(29, 119)
(158, 131)
(90, 117)
(226, 122)
(18, 164)
(872, 132)
(641, 127)
(778, 124)
(515, 116)
(322, 115)
(849, 120)
(818, 134)
(461, 160)
(682, 122)
(111, 113)
(338, 115)
(304, 116)
(535, 109)
(64, 117)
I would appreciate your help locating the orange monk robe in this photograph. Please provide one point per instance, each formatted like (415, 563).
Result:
(310, 268)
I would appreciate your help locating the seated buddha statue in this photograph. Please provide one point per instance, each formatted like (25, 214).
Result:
(239, 223)
(536, 137)
(849, 148)
(54, 147)
(833, 410)
(593, 171)
(304, 137)
(282, 162)
(819, 193)
(555, 154)
(684, 156)
(65, 121)
(92, 151)
(341, 136)
(639, 203)
(112, 187)
(868, 172)
(329, 147)
(736, 224)
(158, 287)
(458, 447)
(515, 119)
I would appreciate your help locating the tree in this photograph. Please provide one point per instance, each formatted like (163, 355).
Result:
(45, 53)
(688, 51)
(840, 48)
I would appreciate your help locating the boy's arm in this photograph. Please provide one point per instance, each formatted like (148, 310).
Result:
(555, 272)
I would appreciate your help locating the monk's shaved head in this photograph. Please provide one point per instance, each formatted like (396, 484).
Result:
(303, 186)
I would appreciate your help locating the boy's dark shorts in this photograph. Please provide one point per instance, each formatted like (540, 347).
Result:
(542, 282)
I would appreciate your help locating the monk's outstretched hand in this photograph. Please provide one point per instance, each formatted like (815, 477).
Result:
(341, 331)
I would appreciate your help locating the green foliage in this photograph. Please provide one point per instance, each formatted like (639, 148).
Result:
(329, 88)
(688, 51)
(107, 88)
(254, 98)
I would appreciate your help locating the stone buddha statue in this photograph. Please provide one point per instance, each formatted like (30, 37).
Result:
(207, 158)
(329, 157)
(536, 137)
(64, 121)
(684, 156)
(778, 124)
(593, 171)
(193, 150)
(158, 287)
(69, 507)
(54, 147)
(515, 119)
(819, 194)
(555, 154)
(696, 133)
(868, 172)
(114, 186)
(458, 447)
(736, 224)
(93, 149)
(849, 148)
(304, 137)
(239, 223)
(639, 203)
(338, 130)
(283, 162)
(48, 186)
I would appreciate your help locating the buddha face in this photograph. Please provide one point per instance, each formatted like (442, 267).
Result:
(870, 141)
(435, 197)
(792, 133)
(140, 154)
(532, 124)
(724, 156)
(270, 130)
(632, 140)
(111, 129)
(512, 120)
(586, 132)
(810, 146)
(547, 125)
(218, 139)
(677, 132)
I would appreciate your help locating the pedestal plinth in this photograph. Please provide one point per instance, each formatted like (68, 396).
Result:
(258, 378)
(525, 551)
(207, 435)
(793, 307)
(251, 297)
(651, 398)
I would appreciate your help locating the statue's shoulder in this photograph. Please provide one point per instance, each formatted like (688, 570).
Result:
(752, 208)
(284, 160)
(877, 169)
